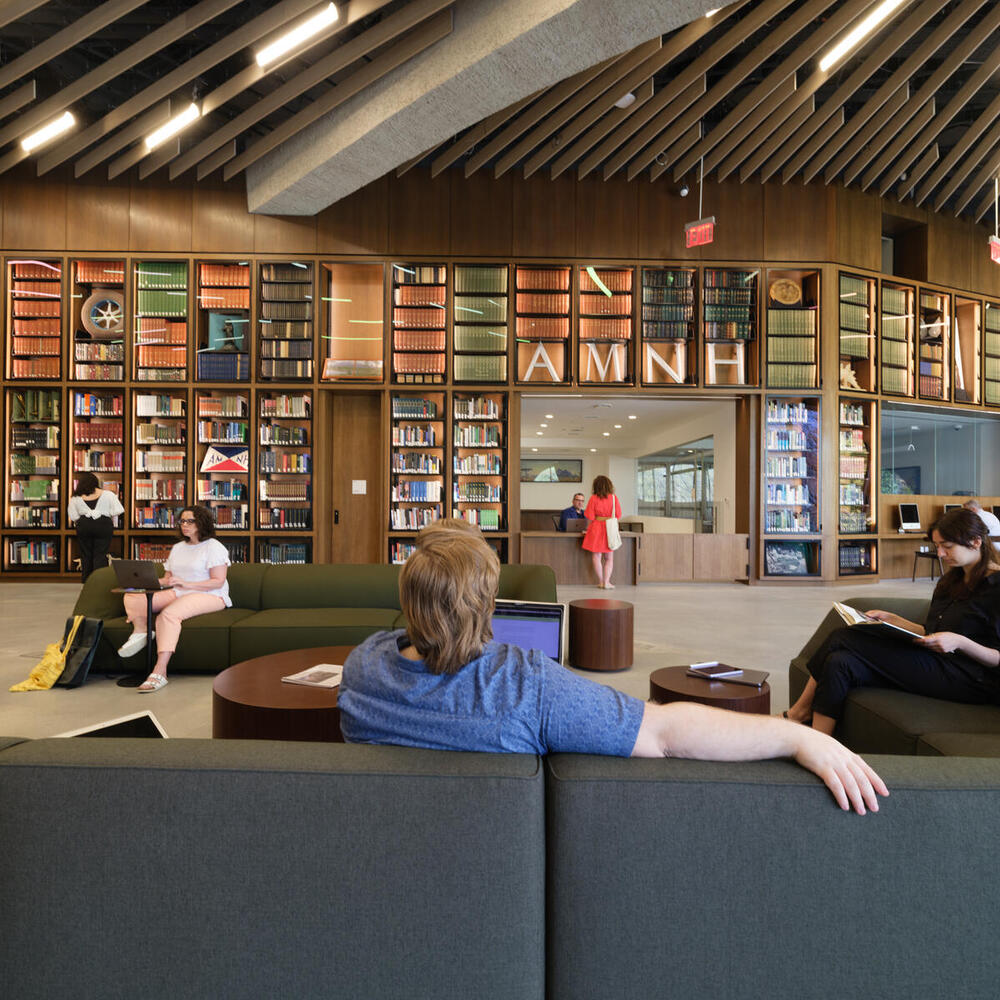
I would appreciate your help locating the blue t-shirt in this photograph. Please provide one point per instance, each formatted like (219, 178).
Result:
(508, 700)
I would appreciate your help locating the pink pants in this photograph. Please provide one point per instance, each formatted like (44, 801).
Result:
(172, 610)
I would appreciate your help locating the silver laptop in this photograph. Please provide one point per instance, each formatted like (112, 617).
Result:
(532, 625)
(576, 524)
(137, 574)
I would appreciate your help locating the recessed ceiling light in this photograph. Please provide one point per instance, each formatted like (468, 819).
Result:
(534, 449)
(543, 425)
(550, 416)
(539, 433)
(618, 427)
(632, 416)
(607, 434)
(593, 449)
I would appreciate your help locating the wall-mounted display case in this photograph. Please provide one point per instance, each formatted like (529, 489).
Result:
(34, 318)
(858, 324)
(284, 464)
(991, 354)
(479, 459)
(419, 323)
(223, 322)
(33, 448)
(223, 457)
(605, 325)
(417, 466)
(541, 324)
(793, 298)
(480, 324)
(966, 347)
(353, 296)
(897, 326)
(159, 465)
(730, 302)
(285, 307)
(934, 338)
(669, 351)
(97, 320)
(160, 334)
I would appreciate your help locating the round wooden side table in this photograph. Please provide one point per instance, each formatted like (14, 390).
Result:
(600, 634)
(673, 684)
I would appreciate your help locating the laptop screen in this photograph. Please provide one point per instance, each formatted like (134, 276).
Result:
(531, 625)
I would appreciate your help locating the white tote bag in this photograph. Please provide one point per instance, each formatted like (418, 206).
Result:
(614, 535)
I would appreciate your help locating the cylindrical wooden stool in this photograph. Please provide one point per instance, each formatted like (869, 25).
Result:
(600, 634)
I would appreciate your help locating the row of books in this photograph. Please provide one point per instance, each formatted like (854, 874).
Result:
(727, 313)
(538, 303)
(854, 556)
(481, 309)
(162, 274)
(35, 406)
(784, 348)
(284, 462)
(549, 278)
(787, 493)
(786, 466)
(605, 329)
(413, 518)
(221, 489)
(33, 517)
(403, 363)
(419, 295)
(667, 278)
(476, 465)
(280, 435)
(224, 298)
(417, 490)
(34, 552)
(605, 305)
(291, 518)
(483, 280)
(729, 331)
(852, 494)
(488, 518)
(777, 521)
(791, 322)
(418, 274)
(157, 302)
(270, 490)
(285, 311)
(34, 489)
(100, 272)
(417, 463)
(224, 275)
(97, 461)
(31, 346)
(23, 269)
(418, 340)
(26, 464)
(231, 517)
(855, 345)
(34, 437)
(286, 369)
(668, 331)
(98, 351)
(480, 368)
(477, 436)
(852, 440)
(895, 352)
(31, 368)
(730, 279)
(476, 492)
(614, 280)
(223, 431)
(30, 308)
(855, 521)
(791, 376)
(160, 489)
(787, 440)
(161, 357)
(160, 461)
(282, 553)
(41, 327)
(98, 433)
(854, 316)
(285, 291)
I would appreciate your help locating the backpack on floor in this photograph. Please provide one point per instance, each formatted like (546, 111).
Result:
(82, 650)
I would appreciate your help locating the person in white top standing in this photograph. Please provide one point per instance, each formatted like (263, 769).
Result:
(93, 510)
(196, 581)
(990, 519)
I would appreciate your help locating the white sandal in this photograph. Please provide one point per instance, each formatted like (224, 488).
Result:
(152, 683)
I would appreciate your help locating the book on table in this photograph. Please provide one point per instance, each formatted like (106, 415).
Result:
(854, 617)
(323, 675)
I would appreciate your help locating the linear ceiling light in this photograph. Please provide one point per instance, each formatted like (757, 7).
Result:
(46, 132)
(297, 35)
(860, 32)
(172, 127)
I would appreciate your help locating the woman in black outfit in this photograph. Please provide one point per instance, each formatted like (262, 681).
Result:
(957, 654)
(93, 509)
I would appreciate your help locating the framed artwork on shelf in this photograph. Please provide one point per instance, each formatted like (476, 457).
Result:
(551, 470)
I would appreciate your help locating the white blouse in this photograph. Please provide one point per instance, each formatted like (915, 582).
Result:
(107, 506)
(192, 562)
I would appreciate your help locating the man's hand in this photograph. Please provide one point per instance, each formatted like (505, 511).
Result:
(852, 781)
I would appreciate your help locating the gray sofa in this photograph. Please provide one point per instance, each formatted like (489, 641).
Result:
(878, 720)
(193, 868)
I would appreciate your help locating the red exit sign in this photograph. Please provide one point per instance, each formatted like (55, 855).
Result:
(698, 234)
(994, 249)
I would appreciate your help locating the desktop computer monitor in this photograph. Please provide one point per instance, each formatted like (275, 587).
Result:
(909, 517)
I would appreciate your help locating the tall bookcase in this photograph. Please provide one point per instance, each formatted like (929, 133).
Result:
(480, 325)
(353, 296)
(730, 301)
(97, 320)
(223, 457)
(286, 321)
(669, 354)
(223, 322)
(857, 555)
(858, 323)
(34, 319)
(159, 464)
(897, 325)
(479, 466)
(991, 354)
(419, 323)
(605, 325)
(966, 350)
(284, 476)
(792, 329)
(791, 486)
(541, 324)
(160, 334)
(934, 329)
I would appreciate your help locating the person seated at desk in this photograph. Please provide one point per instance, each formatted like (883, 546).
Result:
(573, 513)
(443, 684)
(988, 518)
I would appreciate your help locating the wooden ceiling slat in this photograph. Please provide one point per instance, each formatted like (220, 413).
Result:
(667, 127)
(949, 167)
(906, 186)
(216, 160)
(269, 21)
(162, 156)
(987, 204)
(912, 153)
(20, 97)
(412, 44)
(405, 168)
(747, 115)
(894, 142)
(14, 10)
(861, 138)
(134, 131)
(986, 174)
(777, 137)
(339, 59)
(82, 28)
(829, 128)
(605, 90)
(808, 143)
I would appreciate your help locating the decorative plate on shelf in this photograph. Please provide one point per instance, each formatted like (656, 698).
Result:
(785, 292)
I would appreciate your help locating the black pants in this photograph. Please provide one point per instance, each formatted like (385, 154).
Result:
(853, 658)
(93, 539)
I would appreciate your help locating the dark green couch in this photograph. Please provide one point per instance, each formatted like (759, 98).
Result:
(283, 607)
(878, 720)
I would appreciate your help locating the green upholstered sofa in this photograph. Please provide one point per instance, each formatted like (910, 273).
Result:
(283, 607)
(879, 720)
(225, 869)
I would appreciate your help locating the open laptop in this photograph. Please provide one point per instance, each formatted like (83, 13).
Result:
(909, 517)
(137, 574)
(576, 524)
(532, 625)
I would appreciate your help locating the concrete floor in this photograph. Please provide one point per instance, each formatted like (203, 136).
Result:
(761, 627)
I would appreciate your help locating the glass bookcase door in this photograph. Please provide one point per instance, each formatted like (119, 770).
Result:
(480, 334)
(792, 329)
(160, 331)
(284, 468)
(991, 354)
(34, 318)
(857, 437)
(159, 465)
(934, 336)
(729, 326)
(479, 466)
(966, 341)
(32, 476)
(223, 457)
(857, 331)
(223, 322)
(605, 331)
(97, 320)
(541, 324)
(669, 352)
(353, 297)
(897, 325)
(419, 323)
(285, 307)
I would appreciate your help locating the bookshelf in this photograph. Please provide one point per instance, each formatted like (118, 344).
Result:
(159, 466)
(965, 353)
(34, 319)
(605, 325)
(161, 320)
(479, 465)
(223, 322)
(541, 324)
(669, 356)
(97, 320)
(480, 327)
(223, 457)
(991, 354)
(934, 336)
(32, 482)
(284, 465)
(729, 326)
(353, 297)
(286, 321)
(419, 322)
(857, 556)
(791, 486)
(416, 469)
(857, 331)
(896, 344)
(792, 329)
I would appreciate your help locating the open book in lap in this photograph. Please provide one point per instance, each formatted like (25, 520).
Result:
(854, 617)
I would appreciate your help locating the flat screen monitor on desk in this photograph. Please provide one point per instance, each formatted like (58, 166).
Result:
(951, 506)
(909, 517)
(532, 625)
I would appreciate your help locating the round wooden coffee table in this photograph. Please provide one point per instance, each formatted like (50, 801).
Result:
(673, 684)
(250, 702)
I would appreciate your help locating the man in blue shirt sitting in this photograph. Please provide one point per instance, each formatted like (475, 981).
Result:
(574, 512)
(444, 684)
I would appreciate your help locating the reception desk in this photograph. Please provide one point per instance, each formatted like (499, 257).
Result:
(572, 564)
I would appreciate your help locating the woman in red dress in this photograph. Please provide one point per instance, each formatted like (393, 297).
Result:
(602, 505)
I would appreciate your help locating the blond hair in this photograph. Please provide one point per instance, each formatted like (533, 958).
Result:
(447, 524)
(446, 590)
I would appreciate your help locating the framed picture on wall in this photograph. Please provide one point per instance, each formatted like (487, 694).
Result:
(551, 470)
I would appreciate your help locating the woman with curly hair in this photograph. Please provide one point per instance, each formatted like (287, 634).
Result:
(602, 505)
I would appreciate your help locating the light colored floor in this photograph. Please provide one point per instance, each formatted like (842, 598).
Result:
(761, 627)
